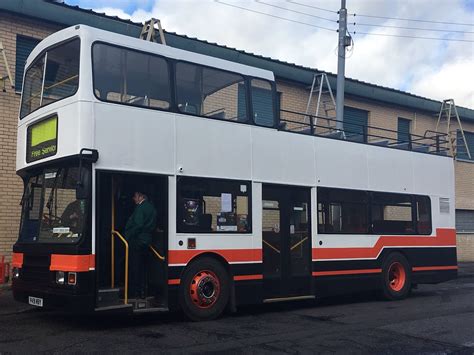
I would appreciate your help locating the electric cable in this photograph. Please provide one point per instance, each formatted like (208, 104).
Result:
(295, 11)
(275, 16)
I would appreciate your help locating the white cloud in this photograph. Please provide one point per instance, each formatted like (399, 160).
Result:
(435, 69)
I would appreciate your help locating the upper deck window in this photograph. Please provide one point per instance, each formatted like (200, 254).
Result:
(58, 80)
(130, 77)
(210, 92)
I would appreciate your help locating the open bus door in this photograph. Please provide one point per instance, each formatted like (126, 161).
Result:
(114, 207)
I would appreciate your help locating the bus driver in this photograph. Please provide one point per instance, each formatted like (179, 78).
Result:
(138, 232)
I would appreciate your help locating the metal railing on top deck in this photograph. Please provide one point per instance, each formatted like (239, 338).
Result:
(296, 122)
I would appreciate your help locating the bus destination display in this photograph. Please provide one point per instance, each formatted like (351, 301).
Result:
(42, 139)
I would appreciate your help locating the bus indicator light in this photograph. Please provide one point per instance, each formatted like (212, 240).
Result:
(72, 278)
(191, 243)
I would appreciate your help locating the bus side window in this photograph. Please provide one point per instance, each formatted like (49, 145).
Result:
(210, 92)
(423, 208)
(131, 77)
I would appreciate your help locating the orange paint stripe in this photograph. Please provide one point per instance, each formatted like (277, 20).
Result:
(78, 263)
(248, 277)
(231, 255)
(346, 272)
(17, 260)
(429, 268)
(444, 237)
(174, 282)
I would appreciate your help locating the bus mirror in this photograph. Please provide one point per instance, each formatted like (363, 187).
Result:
(83, 186)
(84, 181)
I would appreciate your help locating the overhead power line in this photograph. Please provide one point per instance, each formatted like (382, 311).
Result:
(417, 37)
(408, 28)
(275, 16)
(295, 11)
(413, 20)
(312, 6)
(334, 30)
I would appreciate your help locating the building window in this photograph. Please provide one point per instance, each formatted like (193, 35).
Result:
(342, 211)
(210, 92)
(24, 46)
(262, 103)
(465, 221)
(130, 77)
(461, 151)
(403, 132)
(213, 206)
(355, 124)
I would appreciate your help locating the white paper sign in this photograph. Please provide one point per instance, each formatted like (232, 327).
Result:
(226, 202)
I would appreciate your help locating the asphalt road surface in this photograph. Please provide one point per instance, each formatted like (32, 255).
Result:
(435, 319)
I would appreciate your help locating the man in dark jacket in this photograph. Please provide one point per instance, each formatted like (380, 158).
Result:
(138, 232)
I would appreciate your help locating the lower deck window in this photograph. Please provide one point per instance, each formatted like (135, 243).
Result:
(213, 205)
(342, 211)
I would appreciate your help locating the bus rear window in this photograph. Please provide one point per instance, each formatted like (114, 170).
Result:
(60, 78)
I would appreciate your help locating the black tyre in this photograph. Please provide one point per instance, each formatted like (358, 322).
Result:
(204, 290)
(396, 277)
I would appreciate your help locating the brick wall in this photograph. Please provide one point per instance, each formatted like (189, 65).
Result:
(10, 184)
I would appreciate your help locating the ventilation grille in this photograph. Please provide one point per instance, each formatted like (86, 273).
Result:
(443, 205)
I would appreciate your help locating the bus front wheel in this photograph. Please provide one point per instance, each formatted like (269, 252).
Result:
(396, 277)
(204, 290)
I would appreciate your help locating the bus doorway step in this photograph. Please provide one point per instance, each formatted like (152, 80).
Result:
(108, 297)
(147, 305)
(115, 308)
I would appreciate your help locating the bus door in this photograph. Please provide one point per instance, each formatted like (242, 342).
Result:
(115, 206)
(286, 241)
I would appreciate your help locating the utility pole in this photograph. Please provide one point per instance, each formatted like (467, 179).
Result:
(344, 41)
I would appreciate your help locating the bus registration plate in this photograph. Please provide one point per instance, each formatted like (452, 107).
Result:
(35, 301)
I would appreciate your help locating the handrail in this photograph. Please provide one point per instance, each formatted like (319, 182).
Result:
(125, 243)
(431, 141)
(156, 253)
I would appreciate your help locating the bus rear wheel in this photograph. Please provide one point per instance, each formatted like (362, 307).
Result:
(204, 290)
(396, 277)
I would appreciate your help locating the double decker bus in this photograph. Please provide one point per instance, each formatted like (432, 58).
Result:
(254, 204)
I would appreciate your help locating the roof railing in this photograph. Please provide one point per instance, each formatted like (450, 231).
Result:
(430, 142)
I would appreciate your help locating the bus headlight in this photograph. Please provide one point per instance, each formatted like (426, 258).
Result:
(60, 277)
(15, 273)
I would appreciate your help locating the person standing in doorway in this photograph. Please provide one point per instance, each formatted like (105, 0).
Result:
(138, 232)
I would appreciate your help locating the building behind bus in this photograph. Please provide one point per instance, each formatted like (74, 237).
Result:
(23, 24)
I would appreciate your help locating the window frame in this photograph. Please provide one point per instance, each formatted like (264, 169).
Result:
(170, 76)
(248, 183)
(43, 52)
(465, 159)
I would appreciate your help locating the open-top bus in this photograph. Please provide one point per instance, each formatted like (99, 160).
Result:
(254, 204)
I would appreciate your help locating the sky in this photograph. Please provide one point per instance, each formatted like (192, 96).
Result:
(437, 69)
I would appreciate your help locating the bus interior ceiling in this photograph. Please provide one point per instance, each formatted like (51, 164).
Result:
(123, 186)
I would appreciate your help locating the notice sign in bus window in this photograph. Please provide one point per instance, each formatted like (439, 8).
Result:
(42, 139)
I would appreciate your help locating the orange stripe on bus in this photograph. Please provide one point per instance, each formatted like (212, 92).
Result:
(17, 260)
(429, 268)
(347, 272)
(231, 255)
(76, 263)
(444, 237)
(248, 277)
(174, 282)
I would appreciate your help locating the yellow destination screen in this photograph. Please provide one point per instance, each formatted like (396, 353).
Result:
(42, 139)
